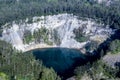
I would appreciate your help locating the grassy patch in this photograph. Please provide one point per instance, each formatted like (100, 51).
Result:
(81, 39)
(115, 47)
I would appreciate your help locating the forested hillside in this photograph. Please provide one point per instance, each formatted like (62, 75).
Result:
(14, 65)
(11, 10)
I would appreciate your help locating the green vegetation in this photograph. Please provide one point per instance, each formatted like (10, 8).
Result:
(81, 39)
(3, 76)
(115, 47)
(28, 37)
(52, 0)
(96, 71)
(11, 10)
(99, 70)
(56, 37)
(15, 65)
(49, 74)
(79, 35)
(1, 32)
(41, 35)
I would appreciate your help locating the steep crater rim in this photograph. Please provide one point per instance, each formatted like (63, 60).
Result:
(62, 30)
(62, 60)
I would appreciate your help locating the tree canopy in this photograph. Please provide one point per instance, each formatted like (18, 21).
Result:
(11, 10)
(15, 65)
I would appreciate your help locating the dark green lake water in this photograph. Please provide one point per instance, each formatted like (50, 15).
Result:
(62, 60)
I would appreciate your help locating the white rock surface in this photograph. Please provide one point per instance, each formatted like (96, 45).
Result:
(63, 23)
(107, 2)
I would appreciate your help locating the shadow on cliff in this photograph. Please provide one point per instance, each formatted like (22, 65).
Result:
(104, 47)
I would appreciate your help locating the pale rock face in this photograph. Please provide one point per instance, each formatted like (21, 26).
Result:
(100, 1)
(111, 60)
(107, 2)
(64, 24)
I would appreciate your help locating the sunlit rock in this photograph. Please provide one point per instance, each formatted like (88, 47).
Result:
(62, 26)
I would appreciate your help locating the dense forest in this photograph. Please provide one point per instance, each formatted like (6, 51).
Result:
(96, 71)
(15, 65)
(11, 10)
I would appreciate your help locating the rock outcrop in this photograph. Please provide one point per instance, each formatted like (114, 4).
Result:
(63, 24)
(107, 2)
(112, 60)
